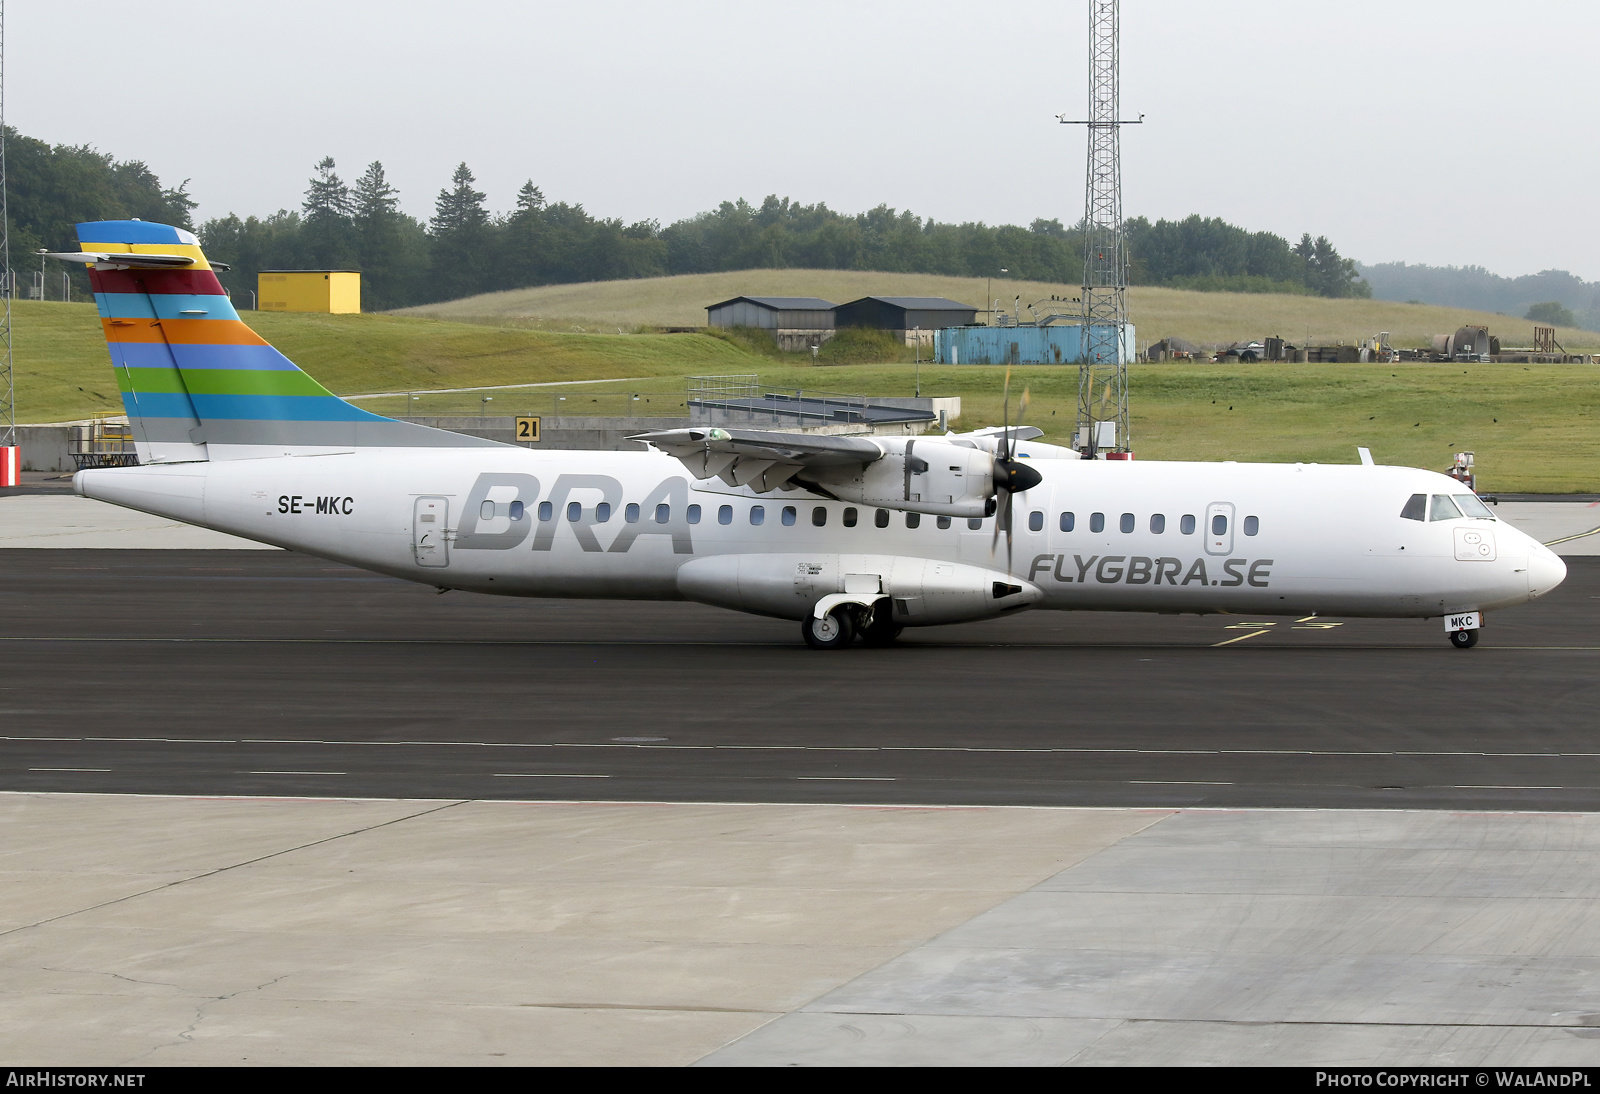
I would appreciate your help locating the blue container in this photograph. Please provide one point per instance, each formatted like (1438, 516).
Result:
(1058, 344)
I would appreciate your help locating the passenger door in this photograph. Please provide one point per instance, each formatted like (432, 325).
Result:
(428, 519)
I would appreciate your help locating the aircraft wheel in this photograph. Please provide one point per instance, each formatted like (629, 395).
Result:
(882, 631)
(832, 632)
(1464, 640)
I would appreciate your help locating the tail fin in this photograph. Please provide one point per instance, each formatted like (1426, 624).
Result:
(196, 382)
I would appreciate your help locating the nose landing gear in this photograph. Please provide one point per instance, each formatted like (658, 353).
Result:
(1464, 640)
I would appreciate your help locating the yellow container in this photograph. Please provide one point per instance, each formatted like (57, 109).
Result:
(335, 292)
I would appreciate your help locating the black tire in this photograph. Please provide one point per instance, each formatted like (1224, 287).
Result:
(832, 632)
(883, 630)
(1464, 640)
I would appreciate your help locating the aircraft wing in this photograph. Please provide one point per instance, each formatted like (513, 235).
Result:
(759, 459)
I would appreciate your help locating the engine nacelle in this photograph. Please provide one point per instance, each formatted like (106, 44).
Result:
(922, 591)
(921, 476)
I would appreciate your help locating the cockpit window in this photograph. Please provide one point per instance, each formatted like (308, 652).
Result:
(1472, 507)
(1443, 508)
(1416, 507)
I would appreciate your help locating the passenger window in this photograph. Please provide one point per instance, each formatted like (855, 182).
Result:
(602, 512)
(1097, 522)
(1443, 508)
(1251, 526)
(694, 514)
(1158, 523)
(1219, 525)
(546, 510)
(1036, 521)
(788, 516)
(758, 514)
(974, 523)
(942, 522)
(881, 518)
(850, 518)
(725, 515)
(574, 512)
(663, 513)
(516, 510)
(1068, 522)
(913, 520)
(1126, 524)
(486, 511)
(1416, 507)
(1186, 524)
(819, 516)
(630, 514)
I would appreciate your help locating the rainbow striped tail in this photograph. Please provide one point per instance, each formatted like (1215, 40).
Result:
(196, 382)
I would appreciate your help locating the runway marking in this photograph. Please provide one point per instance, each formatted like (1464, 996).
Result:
(297, 773)
(846, 778)
(1176, 782)
(1256, 628)
(1512, 786)
(1569, 539)
(1062, 750)
(543, 775)
(100, 770)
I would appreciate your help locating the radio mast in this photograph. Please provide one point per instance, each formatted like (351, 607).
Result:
(1103, 366)
(10, 454)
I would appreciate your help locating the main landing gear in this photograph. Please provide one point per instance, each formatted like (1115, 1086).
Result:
(835, 630)
(1463, 640)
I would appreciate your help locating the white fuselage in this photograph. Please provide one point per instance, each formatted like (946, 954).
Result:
(1296, 539)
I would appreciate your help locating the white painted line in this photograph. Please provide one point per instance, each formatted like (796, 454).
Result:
(95, 769)
(296, 772)
(997, 750)
(1509, 786)
(545, 775)
(846, 778)
(1175, 782)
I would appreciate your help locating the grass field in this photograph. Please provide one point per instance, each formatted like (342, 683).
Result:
(1157, 313)
(1534, 428)
(63, 371)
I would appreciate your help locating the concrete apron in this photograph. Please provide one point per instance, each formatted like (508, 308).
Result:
(148, 930)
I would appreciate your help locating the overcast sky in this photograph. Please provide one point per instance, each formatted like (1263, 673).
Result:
(1457, 132)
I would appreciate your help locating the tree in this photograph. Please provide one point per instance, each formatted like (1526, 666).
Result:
(390, 246)
(329, 233)
(1552, 313)
(462, 258)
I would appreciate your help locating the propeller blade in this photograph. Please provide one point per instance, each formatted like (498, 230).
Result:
(1009, 497)
(1005, 435)
(1002, 502)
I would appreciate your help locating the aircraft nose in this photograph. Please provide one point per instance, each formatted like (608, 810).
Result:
(1545, 570)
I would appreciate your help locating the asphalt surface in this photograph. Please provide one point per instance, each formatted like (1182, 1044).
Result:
(271, 673)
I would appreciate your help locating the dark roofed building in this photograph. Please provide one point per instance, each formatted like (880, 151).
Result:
(796, 322)
(772, 313)
(903, 315)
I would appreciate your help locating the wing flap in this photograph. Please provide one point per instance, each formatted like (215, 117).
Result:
(760, 459)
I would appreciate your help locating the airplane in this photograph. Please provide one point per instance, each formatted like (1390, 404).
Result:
(849, 536)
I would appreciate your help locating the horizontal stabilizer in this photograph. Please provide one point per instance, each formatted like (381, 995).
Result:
(115, 260)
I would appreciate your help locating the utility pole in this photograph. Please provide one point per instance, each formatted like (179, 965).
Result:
(10, 452)
(1103, 364)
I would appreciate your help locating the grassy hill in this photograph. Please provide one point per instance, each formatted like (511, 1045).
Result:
(1533, 427)
(63, 372)
(1157, 313)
